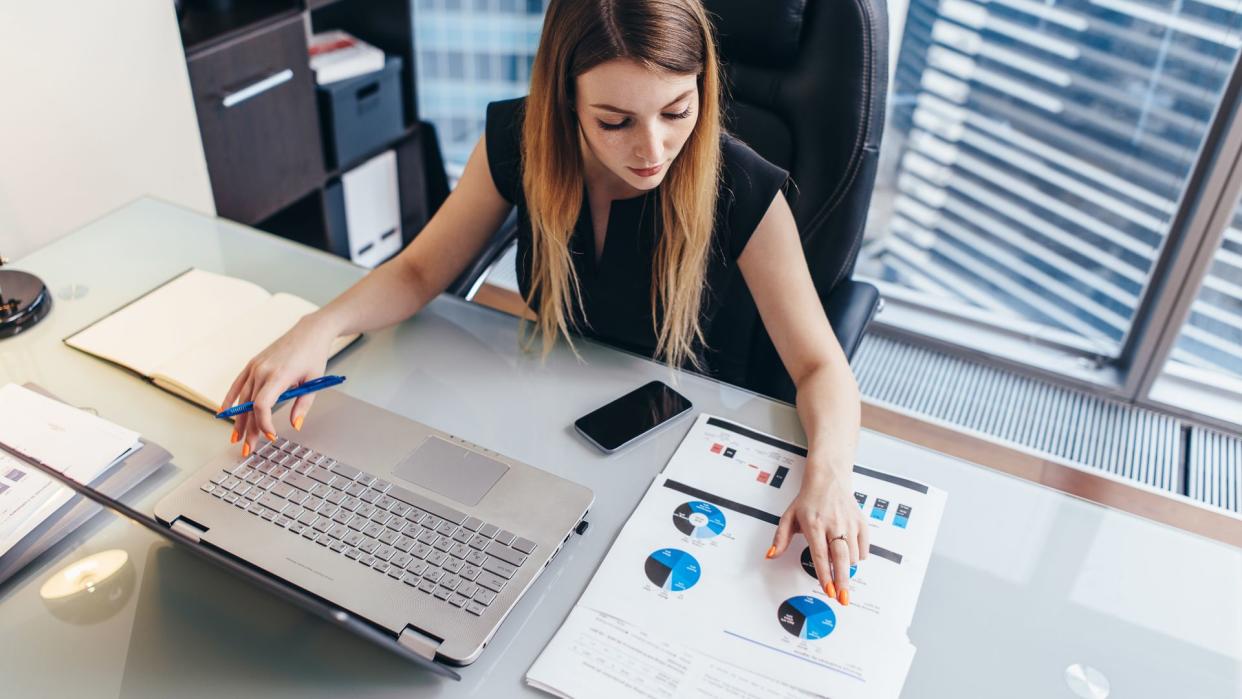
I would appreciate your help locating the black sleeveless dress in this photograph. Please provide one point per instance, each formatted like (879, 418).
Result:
(616, 291)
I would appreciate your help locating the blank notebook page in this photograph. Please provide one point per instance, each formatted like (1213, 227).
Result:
(170, 320)
(210, 365)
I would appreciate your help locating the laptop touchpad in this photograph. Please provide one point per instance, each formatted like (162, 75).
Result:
(445, 468)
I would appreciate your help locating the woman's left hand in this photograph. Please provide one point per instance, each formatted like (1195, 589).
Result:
(827, 515)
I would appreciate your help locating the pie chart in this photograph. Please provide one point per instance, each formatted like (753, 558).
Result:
(697, 519)
(672, 569)
(809, 565)
(806, 617)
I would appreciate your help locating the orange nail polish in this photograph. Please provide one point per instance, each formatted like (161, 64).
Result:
(246, 449)
(234, 437)
(830, 590)
(844, 597)
(297, 422)
(771, 552)
(270, 435)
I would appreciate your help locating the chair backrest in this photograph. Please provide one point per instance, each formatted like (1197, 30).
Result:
(807, 81)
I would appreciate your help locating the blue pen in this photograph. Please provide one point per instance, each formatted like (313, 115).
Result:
(309, 387)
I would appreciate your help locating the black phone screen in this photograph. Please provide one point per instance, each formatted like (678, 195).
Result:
(630, 416)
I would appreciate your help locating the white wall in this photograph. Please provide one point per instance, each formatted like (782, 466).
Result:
(95, 111)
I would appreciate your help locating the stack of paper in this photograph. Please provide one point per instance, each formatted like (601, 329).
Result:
(338, 55)
(70, 440)
(686, 605)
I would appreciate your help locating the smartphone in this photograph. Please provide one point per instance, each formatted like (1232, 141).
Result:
(632, 416)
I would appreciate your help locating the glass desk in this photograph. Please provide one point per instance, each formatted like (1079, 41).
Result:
(1025, 581)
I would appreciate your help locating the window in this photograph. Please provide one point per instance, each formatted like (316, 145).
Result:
(469, 54)
(1035, 155)
(1211, 340)
(1203, 374)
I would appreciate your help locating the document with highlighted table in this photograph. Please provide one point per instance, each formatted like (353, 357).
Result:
(686, 605)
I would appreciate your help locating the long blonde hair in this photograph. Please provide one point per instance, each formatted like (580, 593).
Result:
(670, 35)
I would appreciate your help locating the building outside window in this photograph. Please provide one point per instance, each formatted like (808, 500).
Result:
(1036, 153)
(471, 52)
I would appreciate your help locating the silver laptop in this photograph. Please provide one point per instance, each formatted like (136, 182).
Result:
(428, 538)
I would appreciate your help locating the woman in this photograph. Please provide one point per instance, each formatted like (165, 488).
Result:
(633, 209)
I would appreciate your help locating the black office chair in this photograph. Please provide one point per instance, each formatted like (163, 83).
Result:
(807, 81)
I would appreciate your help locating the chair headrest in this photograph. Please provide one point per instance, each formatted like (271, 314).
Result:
(763, 33)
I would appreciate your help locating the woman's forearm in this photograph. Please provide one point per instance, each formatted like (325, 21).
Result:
(824, 510)
(829, 407)
(387, 295)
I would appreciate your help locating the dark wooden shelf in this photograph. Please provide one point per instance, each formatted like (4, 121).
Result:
(342, 169)
(260, 113)
(205, 23)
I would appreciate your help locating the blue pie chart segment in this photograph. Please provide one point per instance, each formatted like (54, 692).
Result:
(698, 519)
(672, 569)
(806, 617)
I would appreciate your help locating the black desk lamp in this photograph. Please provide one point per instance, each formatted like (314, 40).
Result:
(24, 301)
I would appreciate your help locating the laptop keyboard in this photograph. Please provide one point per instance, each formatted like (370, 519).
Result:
(433, 548)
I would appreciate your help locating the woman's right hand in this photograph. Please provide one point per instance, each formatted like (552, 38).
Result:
(301, 354)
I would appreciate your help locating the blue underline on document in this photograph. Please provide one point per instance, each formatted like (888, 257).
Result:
(799, 657)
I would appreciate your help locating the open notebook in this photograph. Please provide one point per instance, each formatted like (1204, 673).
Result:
(194, 334)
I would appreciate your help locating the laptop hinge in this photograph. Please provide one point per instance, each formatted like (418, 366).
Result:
(419, 642)
(181, 525)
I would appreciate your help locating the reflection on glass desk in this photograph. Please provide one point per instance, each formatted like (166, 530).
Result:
(1030, 590)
